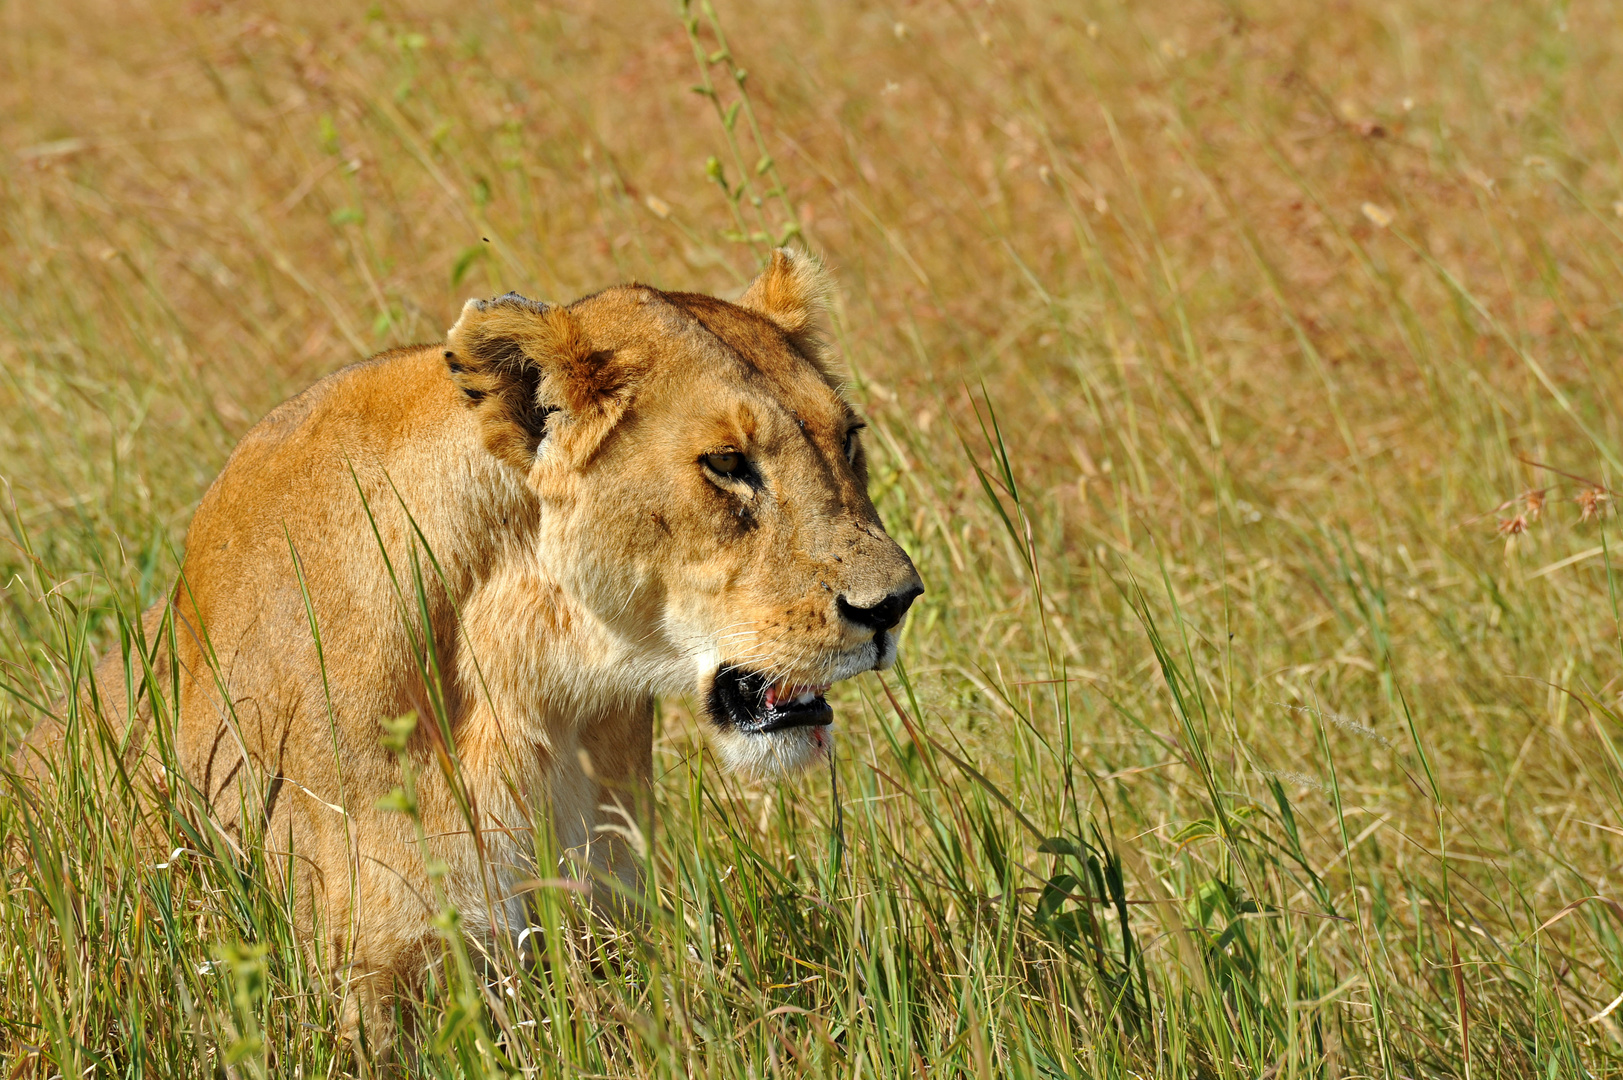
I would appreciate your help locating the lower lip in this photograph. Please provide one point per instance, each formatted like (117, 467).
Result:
(817, 716)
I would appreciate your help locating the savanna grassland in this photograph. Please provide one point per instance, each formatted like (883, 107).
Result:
(1243, 378)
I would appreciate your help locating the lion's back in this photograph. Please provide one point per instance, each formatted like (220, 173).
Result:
(305, 536)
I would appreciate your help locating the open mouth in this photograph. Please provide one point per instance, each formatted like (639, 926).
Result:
(755, 706)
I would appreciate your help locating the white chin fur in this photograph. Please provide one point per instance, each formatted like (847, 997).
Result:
(775, 754)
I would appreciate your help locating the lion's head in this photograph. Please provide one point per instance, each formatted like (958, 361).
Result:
(704, 494)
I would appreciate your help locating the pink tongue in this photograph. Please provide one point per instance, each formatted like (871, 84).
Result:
(775, 695)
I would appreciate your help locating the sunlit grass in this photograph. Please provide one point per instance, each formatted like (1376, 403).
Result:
(1243, 383)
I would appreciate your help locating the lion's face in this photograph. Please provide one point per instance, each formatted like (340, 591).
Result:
(707, 501)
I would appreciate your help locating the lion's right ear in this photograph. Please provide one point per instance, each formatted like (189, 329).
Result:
(518, 361)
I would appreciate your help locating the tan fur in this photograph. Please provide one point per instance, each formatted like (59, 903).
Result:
(541, 474)
(794, 293)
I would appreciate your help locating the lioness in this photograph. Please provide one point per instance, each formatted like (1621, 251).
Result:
(640, 492)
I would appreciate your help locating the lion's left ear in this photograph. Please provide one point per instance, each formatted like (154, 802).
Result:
(520, 361)
(793, 291)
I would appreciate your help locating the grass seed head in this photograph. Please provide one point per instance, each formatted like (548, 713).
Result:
(1533, 502)
(1591, 503)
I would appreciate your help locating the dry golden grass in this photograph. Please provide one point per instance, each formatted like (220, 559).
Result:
(1301, 326)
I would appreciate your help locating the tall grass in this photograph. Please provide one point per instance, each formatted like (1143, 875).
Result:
(1243, 381)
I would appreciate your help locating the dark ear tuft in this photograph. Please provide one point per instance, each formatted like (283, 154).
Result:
(518, 361)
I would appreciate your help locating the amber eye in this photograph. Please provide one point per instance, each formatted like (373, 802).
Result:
(729, 463)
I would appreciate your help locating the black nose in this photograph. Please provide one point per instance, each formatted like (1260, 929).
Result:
(883, 615)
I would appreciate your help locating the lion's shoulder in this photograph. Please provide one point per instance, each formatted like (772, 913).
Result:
(370, 393)
(393, 423)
